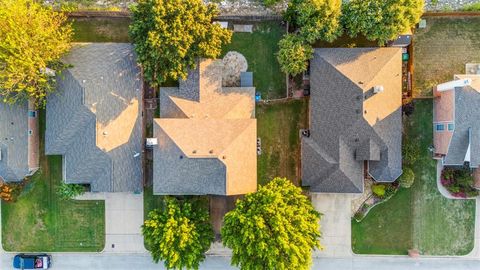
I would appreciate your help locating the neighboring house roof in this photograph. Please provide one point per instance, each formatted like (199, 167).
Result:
(14, 141)
(94, 120)
(349, 122)
(206, 136)
(460, 107)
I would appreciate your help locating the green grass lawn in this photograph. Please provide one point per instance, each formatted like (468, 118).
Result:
(40, 221)
(100, 29)
(259, 48)
(442, 50)
(278, 127)
(419, 217)
(386, 229)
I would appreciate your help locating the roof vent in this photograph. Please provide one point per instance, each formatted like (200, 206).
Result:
(105, 133)
(377, 89)
(194, 151)
(360, 82)
(224, 157)
(211, 151)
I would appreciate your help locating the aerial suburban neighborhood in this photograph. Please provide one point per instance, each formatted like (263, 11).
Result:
(240, 134)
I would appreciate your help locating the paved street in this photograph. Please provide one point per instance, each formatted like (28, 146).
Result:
(143, 262)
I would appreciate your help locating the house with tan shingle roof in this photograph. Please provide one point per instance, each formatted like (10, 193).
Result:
(355, 119)
(456, 121)
(206, 136)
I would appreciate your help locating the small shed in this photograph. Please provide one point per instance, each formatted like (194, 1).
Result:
(246, 79)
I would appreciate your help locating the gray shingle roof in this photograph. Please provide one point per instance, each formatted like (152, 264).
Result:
(94, 119)
(349, 124)
(14, 141)
(467, 128)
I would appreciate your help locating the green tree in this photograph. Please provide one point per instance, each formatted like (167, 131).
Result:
(169, 36)
(407, 178)
(293, 54)
(381, 20)
(274, 228)
(316, 19)
(32, 39)
(180, 234)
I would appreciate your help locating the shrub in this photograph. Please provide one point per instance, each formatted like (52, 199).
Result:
(69, 191)
(410, 151)
(6, 192)
(407, 178)
(459, 182)
(472, 7)
(378, 190)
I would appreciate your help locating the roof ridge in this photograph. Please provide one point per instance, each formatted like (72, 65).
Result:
(239, 134)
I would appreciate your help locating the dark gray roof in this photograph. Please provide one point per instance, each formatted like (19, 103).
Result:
(467, 128)
(98, 93)
(14, 141)
(341, 136)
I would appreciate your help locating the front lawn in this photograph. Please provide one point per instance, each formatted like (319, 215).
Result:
(259, 48)
(419, 217)
(278, 127)
(442, 50)
(40, 221)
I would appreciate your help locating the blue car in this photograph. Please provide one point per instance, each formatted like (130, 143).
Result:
(31, 261)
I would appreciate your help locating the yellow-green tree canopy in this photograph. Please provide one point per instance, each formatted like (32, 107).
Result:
(274, 228)
(179, 234)
(381, 20)
(32, 39)
(169, 35)
(293, 54)
(316, 19)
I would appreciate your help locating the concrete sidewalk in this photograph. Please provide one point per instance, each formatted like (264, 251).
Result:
(123, 221)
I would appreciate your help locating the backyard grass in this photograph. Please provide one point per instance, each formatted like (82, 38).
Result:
(100, 29)
(278, 127)
(442, 50)
(259, 48)
(40, 221)
(419, 217)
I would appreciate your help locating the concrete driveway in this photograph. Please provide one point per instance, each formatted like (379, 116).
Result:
(335, 224)
(123, 219)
